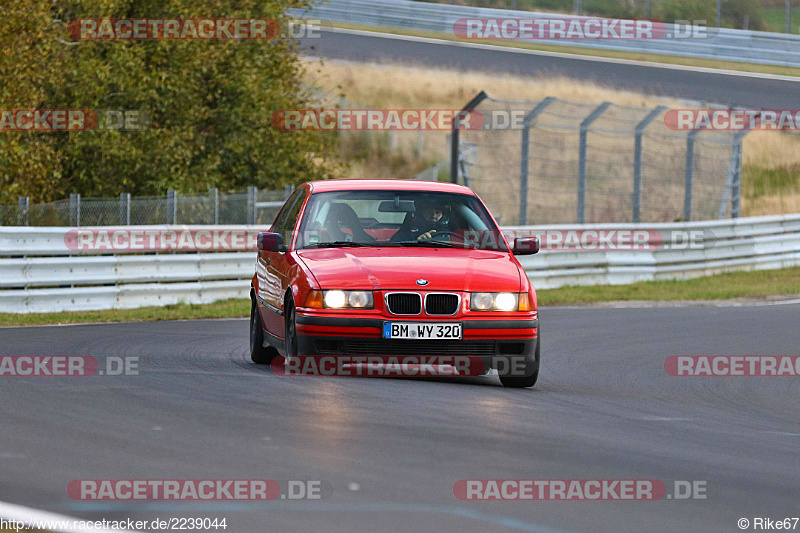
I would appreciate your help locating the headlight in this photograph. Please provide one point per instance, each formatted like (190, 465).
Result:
(359, 299)
(494, 301)
(348, 299)
(335, 299)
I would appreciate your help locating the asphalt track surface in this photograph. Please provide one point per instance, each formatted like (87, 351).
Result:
(733, 90)
(604, 408)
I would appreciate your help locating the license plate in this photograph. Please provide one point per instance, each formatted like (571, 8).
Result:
(422, 330)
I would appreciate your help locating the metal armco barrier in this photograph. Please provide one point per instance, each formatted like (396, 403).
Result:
(724, 44)
(40, 273)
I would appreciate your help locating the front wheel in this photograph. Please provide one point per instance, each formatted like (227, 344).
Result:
(258, 353)
(531, 372)
(291, 328)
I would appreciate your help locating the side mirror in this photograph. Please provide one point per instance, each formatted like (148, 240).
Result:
(270, 242)
(526, 245)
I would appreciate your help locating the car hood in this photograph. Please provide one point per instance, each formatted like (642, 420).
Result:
(400, 268)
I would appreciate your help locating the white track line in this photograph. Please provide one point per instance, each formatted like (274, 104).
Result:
(29, 516)
(579, 57)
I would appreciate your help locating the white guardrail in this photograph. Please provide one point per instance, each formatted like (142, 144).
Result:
(713, 43)
(41, 271)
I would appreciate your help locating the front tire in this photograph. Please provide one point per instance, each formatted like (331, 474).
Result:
(258, 353)
(531, 370)
(291, 328)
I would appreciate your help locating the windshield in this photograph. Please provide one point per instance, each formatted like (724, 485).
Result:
(398, 218)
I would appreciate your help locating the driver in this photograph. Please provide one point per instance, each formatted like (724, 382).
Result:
(428, 219)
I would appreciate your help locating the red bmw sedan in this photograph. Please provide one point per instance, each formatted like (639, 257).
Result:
(394, 267)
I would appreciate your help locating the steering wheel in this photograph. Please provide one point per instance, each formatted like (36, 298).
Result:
(438, 234)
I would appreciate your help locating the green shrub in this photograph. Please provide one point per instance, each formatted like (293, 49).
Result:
(209, 103)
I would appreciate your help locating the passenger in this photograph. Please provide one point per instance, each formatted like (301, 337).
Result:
(341, 217)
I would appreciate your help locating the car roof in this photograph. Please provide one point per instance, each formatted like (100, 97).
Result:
(391, 185)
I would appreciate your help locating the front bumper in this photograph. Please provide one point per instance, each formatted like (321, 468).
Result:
(490, 339)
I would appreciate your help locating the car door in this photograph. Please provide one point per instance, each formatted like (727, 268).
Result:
(276, 265)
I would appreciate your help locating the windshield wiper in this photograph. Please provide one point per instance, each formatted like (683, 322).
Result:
(341, 244)
(429, 244)
(350, 244)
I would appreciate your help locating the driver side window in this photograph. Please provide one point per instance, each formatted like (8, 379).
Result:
(287, 219)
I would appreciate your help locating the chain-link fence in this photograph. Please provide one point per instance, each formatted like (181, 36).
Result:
(570, 162)
(254, 206)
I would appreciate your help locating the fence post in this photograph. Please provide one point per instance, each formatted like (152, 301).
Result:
(462, 162)
(125, 208)
(523, 173)
(582, 158)
(252, 195)
(172, 207)
(214, 192)
(736, 194)
(723, 204)
(287, 191)
(687, 190)
(787, 24)
(455, 137)
(75, 209)
(637, 160)
(23, 208)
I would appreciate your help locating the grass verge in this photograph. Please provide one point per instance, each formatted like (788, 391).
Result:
(759, 284)
(223, 309)
(751, 285)
(775, 17)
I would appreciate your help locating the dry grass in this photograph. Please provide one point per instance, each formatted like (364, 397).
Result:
(776, 204)
(393, 86)
(771, 150)
(771, 174)
(399, 87)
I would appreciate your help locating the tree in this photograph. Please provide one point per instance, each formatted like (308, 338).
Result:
(208, 103)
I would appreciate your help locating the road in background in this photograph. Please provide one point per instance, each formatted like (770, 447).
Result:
(393, 448)
(670, 80)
